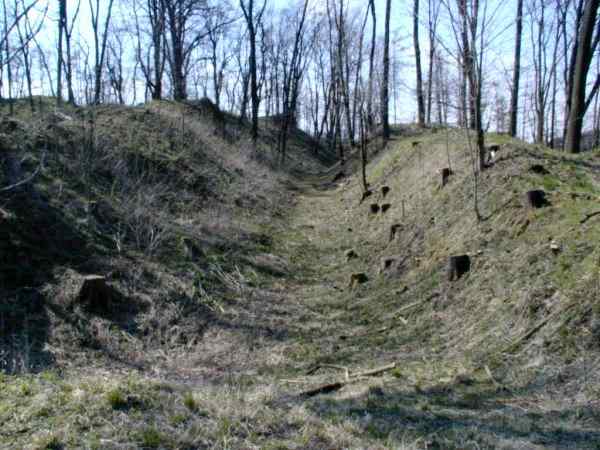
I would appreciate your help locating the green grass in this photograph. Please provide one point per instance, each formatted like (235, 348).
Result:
(176, 366)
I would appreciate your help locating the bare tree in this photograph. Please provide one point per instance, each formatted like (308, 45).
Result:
(433, 12)
(385, 97)
(100, 42)
(583, 53)
(252, 22)
(153, 68)
(291, 82)
(514, 95)
(62, 18)
(420, 98)
(543, 31)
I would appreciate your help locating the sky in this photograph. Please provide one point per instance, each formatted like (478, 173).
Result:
(499, 53)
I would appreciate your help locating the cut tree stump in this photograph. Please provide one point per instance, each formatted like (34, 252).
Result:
(458, 266)
(387, 263)
(539, 169)
(95, 294)
(374, 208)
(339, 176)
(446, 172)
(351, 254)
(394, 229)
(492, 151)
(536, 199)
(385, 207)
(358, 278)
(385, 190)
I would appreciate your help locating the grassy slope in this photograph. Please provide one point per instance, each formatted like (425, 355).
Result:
(221, 366)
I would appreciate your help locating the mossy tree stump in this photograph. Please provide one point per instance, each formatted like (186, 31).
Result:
(339, 176)
(458, 266)
(535, 199)
(445, 172)
(538, 169)
(358, 278)
(388, 263)
(350, 254)
(95, 294)
(394, 229)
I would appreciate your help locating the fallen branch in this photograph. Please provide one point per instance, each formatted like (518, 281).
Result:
(412, 305)
(589, 216)
(536, 328)
(25, 180)
(325, 389)
(377, 371)
(336, 386)
(313, 370)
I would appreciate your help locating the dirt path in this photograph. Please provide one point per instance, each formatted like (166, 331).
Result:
(424, 403)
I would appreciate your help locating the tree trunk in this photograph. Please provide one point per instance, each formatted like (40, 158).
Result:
(458, 266)
(385, 100)
(62, 25)
(420, 99)
(514, 97)
(580, 70)
(370, 118)
(158, 30)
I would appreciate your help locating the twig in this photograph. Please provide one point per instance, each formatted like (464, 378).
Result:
(489, 374)
(589, 216)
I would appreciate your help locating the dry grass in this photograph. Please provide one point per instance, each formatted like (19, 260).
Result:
(232, 282)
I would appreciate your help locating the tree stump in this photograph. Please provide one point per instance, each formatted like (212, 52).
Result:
(374, 208)
(385, 191)
(394, 229)
(535, 199)
(385, 207)
(446, 172)
(458, 266)
(95, 294)
(492, 151)
(191, 250)
(538, 169)
(350, 254)
(387, 263)
(358, 278)
(339, 176)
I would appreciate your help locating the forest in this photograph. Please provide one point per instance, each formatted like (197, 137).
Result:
(527, 68)
(299, 224)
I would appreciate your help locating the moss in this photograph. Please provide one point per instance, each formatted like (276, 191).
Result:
(150, 437)
(190, 402)
(117, 399)
(550, 182)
